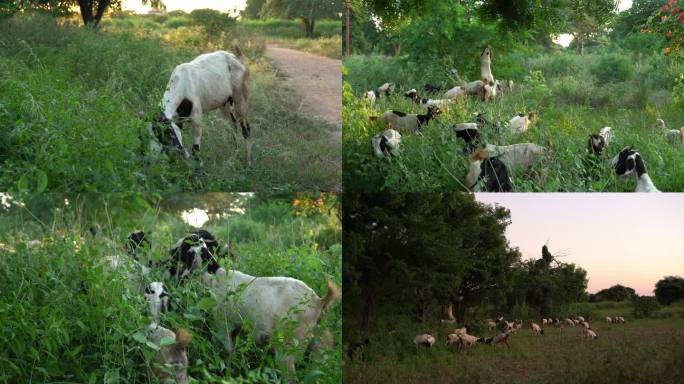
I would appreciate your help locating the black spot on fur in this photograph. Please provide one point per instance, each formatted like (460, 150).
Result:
(384, 148)
(398, 113)
(495, 175)
(471, 138)
(185, 108)
(134, 241)
(625, 164)
(596, 144)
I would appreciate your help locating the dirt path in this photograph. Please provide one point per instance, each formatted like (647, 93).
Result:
(317, 79)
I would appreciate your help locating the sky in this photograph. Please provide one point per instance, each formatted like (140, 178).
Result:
(187, 5)
(633, 239)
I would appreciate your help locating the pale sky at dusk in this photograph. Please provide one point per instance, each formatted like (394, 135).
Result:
(633, 239)
(187, 5)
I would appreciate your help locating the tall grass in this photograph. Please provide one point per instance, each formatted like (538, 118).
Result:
(74, 105)
(572, 96)
(69, 318)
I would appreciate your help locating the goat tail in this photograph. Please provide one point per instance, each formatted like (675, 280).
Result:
(332, 295)
(183, 338)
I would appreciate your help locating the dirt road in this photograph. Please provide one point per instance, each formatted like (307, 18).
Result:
(317, 79)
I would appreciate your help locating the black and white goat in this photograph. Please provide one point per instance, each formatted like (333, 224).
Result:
(598, 142)
(407, 123)
(426, 103)
(193, 252)
(212, 81)
(628, 162)
(488, 174)
(386, 144)
(264, 303)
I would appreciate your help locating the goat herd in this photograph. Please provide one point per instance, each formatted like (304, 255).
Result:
(490, 164)
(261, 302)
(461, 339)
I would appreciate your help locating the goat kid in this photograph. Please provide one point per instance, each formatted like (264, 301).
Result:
(629, 161)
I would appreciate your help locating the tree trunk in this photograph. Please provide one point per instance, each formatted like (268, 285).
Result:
(365, 313)
(309, 27)
(86, 7)
(580, 43)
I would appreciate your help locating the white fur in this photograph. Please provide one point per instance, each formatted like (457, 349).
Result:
(519, 124)
(522, 155)
(393, 142)
(424, 339)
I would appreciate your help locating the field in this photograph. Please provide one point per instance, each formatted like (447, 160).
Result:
(69, 318)
(74, 105)
(626, 86)
(640, 351)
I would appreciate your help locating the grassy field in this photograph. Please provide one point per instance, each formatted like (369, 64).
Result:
(574, 96)
(71, 103)
(67, 318)
(640, 351)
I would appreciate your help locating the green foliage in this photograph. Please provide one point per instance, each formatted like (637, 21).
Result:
(75, 105)
(614, 293)
(70, 317)
(669, 290)
(644, 306)
(613, 68)
(668, 21)
(213, 21)
(308, 11)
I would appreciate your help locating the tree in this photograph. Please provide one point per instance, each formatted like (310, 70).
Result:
(614, 293)
(586, 17)
(635, 18)
(91, 10)
(669, 289)
(253, 9)
(644, 306)
(308, 11)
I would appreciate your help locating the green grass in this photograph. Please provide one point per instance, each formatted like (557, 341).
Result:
(67, 318)
(640, 351)
(563, 88)
(71, 101)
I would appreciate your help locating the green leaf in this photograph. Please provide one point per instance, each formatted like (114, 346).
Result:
(139, 337)
(41, 180)
(166, 340)
(152, 345)
(23, 184)
(206, 303)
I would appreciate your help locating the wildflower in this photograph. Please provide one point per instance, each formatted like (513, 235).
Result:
(675, 10)
(671, 2)
(668, 34)
(319, 202)
(666, 8)
(667, 50)
(681, 16)
(295, 202)
(663, 18)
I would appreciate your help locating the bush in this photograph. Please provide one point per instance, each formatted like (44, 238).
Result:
(214, 22)
(644, 306)
(613, 68)
(178, 21)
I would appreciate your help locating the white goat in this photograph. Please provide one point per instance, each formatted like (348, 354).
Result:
(536, 329)
(629, 161)
(609, 320)
(370, 98)
(211, 81)
(386, 144)
(521, 122)
(425, 339)
(454, 92)
(673, 136)
(517, 156)
(589, 333)
(171, 360)
(263, 302)
(597, 143)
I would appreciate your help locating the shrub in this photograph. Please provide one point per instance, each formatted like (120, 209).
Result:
(214, 22)
(178, 21)
(613, 68)
(644, 306)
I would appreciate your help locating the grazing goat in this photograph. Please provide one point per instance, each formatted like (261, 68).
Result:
(211, 81)
(609, 320)
(517, 156)
(490, 325)
(521, 122)
(171, 360)
(627, 162)
(191, 253)
(426, 103)
(455, 92)
(544, 322)
(536, 329)
(569, 322)
(263, 302)
(407, 123)
(370, 98)
(489, 173)
(426, 340)
(470, 134)
(503, 87)
(673, 136)
(501, 338)
(385, 89)
(589, 333)
(386, 144)
(597, 143)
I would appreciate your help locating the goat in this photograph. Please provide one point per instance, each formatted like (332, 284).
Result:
(171, 360)
(501, 338)
(385, 89)
(588, 333)
(425, 339)
(386, 144)
(406, 123)
(491, 170)
(211, 81)
(454, 92)
(517, 156)
(503, 87)
(426, 103)
(521, 122)
(673, 136)
(598, 142)
(627, 162)
(470, 134)
(608, 319)
(536, 329)
(263, 302)
(370, 98)
(544, 322)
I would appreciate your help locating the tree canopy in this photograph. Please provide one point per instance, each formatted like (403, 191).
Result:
(669, 289)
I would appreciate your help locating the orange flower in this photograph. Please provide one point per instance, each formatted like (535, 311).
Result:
(667, 50)
(668, 34)
(319, 202)
(295, 202)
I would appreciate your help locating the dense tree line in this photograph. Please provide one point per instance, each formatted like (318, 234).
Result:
(412, 255)
(308, 11)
